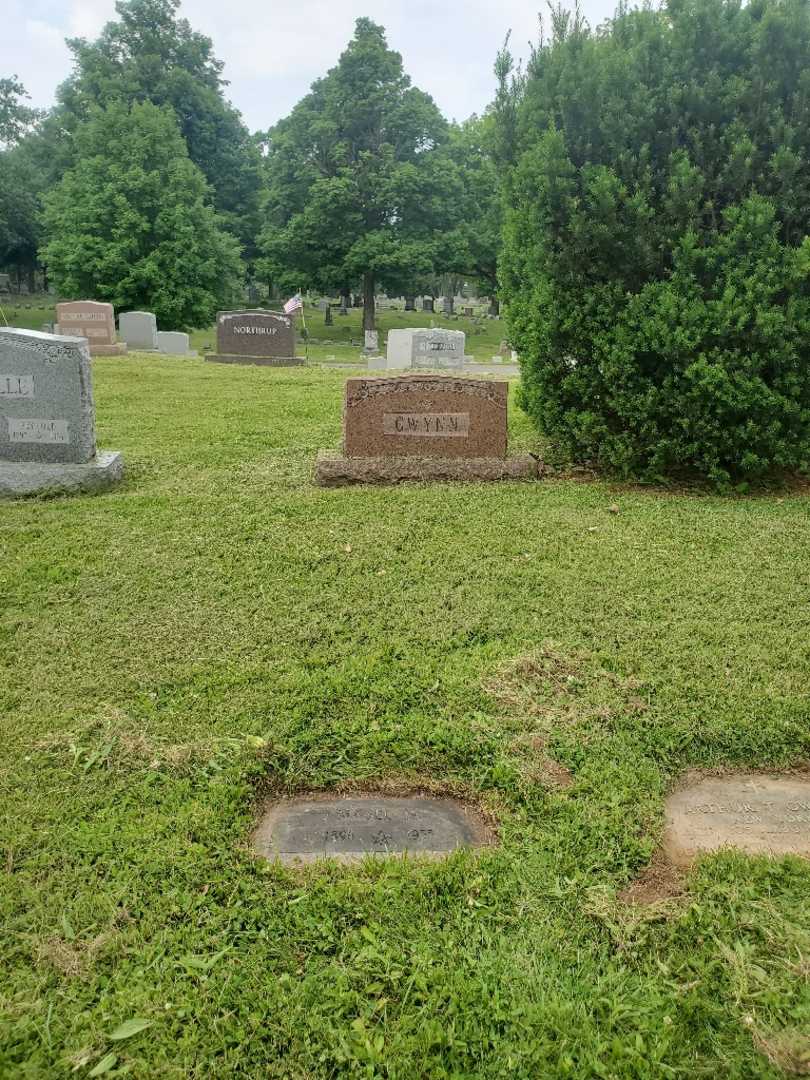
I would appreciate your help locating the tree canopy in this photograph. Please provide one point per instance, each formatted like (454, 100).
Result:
(131, 222)
(149, 54)
(360, 184)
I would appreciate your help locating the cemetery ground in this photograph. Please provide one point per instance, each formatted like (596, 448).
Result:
(217, 630)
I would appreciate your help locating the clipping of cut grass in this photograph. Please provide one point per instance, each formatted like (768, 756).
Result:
(217, 629)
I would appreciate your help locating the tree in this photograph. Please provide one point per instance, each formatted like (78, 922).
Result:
(16, 119)
(20, 182)
(131, 222)
(481, 225)
(149, 54)
(656, 254)
(360, 185)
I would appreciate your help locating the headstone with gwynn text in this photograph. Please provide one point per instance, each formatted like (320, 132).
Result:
(266, 338)
(47, 416)
(414, 427)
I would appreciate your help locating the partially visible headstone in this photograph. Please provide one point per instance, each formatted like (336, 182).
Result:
(423, 427)
(755, 813)
(173, 343)
(5, 283)
(348, 828)
(47, 417)
(323, 305)
(468, 312)
(424, 349)
(371, 341)
(410, 303)
(138, 329)
(266, 338)
(447, 305)
(91, 320)
(427, 303)
(327, 316)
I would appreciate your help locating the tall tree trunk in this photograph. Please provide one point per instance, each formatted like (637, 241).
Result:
(345, 303)
(368, 302)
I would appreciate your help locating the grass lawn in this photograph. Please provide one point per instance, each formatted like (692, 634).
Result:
(217, 629)
(340, 343)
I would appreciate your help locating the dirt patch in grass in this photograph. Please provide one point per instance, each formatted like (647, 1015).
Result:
(658, 882)
(788, 1050)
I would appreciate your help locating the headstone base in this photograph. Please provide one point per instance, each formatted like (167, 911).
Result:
(119, 349)
(259, 361)
(19, 478)
(335, 470)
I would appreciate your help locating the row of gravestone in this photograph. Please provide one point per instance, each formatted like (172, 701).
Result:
(417, 426)
(138, 330)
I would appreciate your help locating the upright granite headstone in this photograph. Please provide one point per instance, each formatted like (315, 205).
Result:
(423, 349)
(47, 418)
(371, 341)
(427, 303)
(423, 427)
(266, 338)
(138, 329)
(93, 321)
(173, 343)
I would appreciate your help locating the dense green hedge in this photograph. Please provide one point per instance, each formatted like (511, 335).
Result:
(656, 266)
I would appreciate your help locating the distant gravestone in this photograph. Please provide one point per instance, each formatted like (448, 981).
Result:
(447, 305)
(410, 303)
(173, 343)
(138, 329)
(266, 338)
(427, 303)
(93, 321)
(423, 427)
(5, 283)
(754, 813)
(468, 312)
(349, 828)
(423, 349)
(47, 417)
(371, 341)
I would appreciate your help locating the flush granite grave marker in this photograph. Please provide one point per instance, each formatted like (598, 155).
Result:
(422, 349)
(754, 813)
(138, 329)
(413, 427)
(93, 321)
(47, 418)
(266, 338)
(348, 828)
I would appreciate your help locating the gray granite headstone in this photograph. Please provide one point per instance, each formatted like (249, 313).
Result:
(173, 343)
(46, 398)
(348, 828)
(138, 329)
(424, 349)
(47, 420)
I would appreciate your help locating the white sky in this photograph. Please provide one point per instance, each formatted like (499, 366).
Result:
(273, 51)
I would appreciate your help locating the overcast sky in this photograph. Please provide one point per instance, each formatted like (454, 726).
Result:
(273, 51)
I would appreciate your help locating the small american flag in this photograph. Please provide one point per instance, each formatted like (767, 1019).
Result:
(295, 303)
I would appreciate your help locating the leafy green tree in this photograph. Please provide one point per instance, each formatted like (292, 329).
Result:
(149, 54)
(131, 222)
(21, 182)
(361, 187)
(481, 203)
(656, 255)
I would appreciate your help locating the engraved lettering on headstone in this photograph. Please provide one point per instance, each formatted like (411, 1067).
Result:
(448, 425)
(37, 431)
(16, 386)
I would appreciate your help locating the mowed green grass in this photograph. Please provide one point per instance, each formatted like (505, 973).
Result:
(217, 629)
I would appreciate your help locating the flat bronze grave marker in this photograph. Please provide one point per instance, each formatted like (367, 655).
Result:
(347, 828)
(754, 813)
